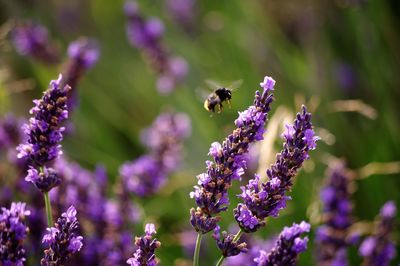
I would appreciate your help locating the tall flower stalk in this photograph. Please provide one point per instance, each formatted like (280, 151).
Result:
(44, 134)
(147, 245)
(146, 35)
(287, 248)
(379, 249)
(267, 199)
(333, 238)
(62, 240)
(147, 174)
(229, 161)
(13, 231)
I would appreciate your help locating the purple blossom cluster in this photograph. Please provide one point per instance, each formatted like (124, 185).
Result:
(211, 194)
(13, 232)
(255, 246)
(106, 223)
(44, 133)
(379, 249)
(287, 248)
(147, 174)
(146, 35)
(147, 245)
(267, 199)
(333, 237)
(83, 55)
(183, 12)
(31, 39)
(228, 246)
(62, 240)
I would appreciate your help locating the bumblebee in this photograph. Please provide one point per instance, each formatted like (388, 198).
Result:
(214, 101)
(216, 98)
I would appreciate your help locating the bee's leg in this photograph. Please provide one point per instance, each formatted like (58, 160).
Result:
(229, 103)
(220, 108)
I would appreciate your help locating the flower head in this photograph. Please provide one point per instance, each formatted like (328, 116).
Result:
(31, 39)
(287, 248)
(13, 231)
(147, 245)
(332, 238)
(62, 240)
(228, 246)
(267, 199)
(379, 249)
(148, 173)
(44, 130)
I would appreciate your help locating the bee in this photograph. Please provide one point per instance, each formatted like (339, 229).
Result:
(214, 101)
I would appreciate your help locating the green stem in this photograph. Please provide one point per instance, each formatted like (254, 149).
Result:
(48, 209)
(197, 250)
(236, 238)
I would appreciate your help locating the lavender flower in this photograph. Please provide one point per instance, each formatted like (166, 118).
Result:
(144, 255)
(269, 198)
(44, 135)
(13, 232)
(287, 248)
(32, 40)
(146, 35)
(62, 240)
(183, 12)
(44, 129)
(254, 246)
(228, 246)
(147, 174)
(379, 249)
(211, 194)
(333, 237)
(83, 54)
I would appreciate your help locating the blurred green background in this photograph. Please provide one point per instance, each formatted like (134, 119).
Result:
(319, 52)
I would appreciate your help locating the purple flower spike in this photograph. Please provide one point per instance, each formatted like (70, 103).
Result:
(84, 54)
(211, 195)
(267, 199)
(227, 245)
(333, 237)
(62, 240)
(287, 248)
(44, 131)
(379, 249)
(146, 34)
(32, 40)
(45, 180)
(144, 255)
(147, 174)
(13, 232)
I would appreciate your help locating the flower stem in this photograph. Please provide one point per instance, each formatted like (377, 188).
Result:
(48, 209)
(197, 249)
(236, 238)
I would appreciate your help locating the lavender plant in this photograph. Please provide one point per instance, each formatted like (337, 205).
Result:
(287, 248)
(379, 249)
(147, 245)
(31, 39)
(147, 174)
(267, 199)
(62, 240)
(211, 194)
(44, 133)
(146, 35)
(13, 232)
(333, 237)
(83, 55)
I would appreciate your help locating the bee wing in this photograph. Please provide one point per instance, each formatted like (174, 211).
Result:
(213, 85)
(235, 84)
(202, 93)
